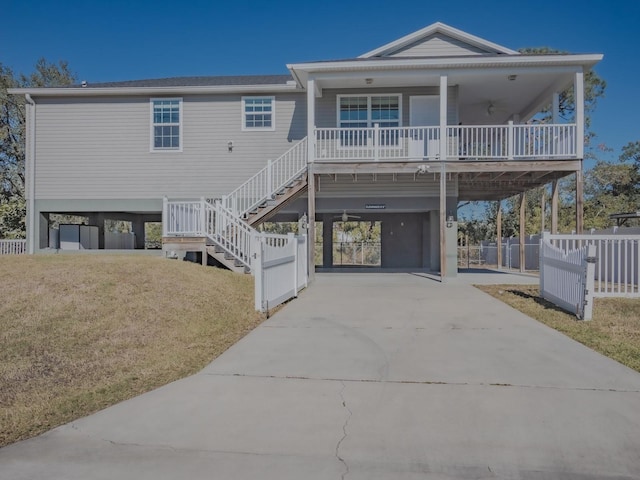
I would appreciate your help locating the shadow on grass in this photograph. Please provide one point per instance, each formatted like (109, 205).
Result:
(539, 300)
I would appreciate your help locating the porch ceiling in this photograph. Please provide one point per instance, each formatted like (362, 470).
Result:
(524, 96)
(478, 186)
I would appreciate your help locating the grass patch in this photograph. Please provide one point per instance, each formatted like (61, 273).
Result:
(614, 330)
(81, 332)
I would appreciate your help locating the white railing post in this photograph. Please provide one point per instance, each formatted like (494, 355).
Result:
(544, 240)
(165, 216)
(203, 217)
(376, 137)
(510, 140)
(256, 264)
(270, 188)
(589, 282)
(293, 241)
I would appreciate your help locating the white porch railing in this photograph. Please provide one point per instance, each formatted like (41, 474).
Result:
(566, 277)
(13, 247)
(268, 181)
(617, 269)
(484, 142)
(376, 144)
(183, 218)
(280, 268)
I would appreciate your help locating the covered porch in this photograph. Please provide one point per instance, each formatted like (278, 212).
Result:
(474, 121)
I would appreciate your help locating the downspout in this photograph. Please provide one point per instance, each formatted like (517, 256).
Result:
(30, 166)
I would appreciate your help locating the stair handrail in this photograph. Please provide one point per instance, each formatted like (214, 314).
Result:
(267, 182)
(228, 231)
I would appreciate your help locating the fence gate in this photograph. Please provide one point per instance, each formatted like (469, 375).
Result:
(567, 278)
(280, 268)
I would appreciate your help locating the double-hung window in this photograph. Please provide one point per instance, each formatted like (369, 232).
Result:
(258, 113)
(357, 113)
(166, 124)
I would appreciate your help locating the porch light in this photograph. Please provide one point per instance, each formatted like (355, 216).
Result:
(491, 109)
(450, 221)
(230, 146)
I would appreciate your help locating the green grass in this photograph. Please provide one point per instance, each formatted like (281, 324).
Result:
(614, 330)
(81, 332)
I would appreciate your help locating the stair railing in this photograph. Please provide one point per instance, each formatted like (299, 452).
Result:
(265, 184)
(228, 231)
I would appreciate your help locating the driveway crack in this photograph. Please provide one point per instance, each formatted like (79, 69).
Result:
(344, 432)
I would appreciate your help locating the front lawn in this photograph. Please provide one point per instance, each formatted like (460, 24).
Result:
(81, 332)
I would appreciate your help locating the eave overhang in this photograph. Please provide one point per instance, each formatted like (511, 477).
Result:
(302, 71)
(148, 91)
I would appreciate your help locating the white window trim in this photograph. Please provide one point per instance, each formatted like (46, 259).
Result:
(244, 116)
(370, 123)
(152, 147)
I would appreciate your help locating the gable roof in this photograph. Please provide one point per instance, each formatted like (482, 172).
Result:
(438, 29)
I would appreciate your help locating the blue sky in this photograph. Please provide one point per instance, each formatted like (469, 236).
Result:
(131, 39)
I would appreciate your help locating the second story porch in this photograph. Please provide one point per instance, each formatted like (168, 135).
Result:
(443, 95)
(462, 142)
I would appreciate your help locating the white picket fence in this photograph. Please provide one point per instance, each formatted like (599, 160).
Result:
(13, 247)
(567, 277)
(617, 268)
(280, 268)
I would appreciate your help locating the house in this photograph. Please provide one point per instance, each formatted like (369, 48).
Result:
(398, 135)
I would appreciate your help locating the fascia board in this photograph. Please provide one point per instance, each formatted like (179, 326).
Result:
(586, 60)
(114, 91)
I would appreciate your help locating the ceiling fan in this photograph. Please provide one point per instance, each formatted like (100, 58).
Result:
(494, 106)
(345, 216)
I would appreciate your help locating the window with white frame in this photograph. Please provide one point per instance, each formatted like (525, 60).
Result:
(258, 113)
(365, 111)
(166, 119)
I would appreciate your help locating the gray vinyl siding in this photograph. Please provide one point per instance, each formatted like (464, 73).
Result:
(438, 46)
(326, 106)
(383, 185)
(99, 148)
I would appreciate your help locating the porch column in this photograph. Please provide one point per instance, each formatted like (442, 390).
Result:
(523, 204)
(327, 241)
(499, 235)
(579, 201)
(311, 195)
(137, 226)
(578, 87)
(443, 177)
(543, 208)
(97, 219)
(43, 230)
(554, 207)
(555, 108)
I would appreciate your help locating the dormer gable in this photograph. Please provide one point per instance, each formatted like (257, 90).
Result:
(438, 40)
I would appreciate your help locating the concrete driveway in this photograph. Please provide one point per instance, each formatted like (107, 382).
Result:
(369, 376)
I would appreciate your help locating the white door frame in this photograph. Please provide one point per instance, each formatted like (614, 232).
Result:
(424, 111)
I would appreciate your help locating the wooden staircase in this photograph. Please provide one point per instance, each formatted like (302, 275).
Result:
(224, 229)
(281, 199)
(225, 260)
